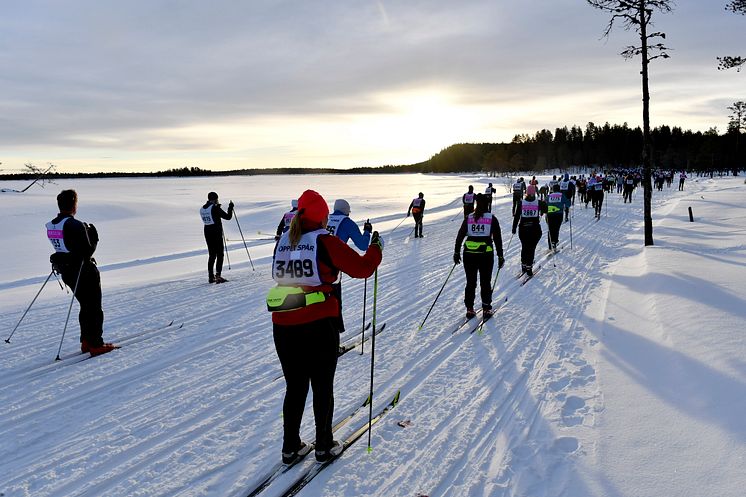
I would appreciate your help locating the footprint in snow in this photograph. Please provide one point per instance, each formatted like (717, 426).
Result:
(567, 445)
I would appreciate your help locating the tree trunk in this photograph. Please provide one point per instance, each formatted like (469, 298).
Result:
(646, 182)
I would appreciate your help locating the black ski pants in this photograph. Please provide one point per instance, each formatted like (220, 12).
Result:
(88, 295)
(627, 195)
(215, 250)
(478, 264)
(598, 202)
(554, 222)
(529, 236)
(337, 291)
(516, 201)
(417, 224)
(308, 355)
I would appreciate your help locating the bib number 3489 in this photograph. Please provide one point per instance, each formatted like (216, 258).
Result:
(294, 269)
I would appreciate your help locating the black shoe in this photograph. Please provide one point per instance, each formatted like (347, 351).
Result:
(211, 279)
(220, 279)
(470, 313)
(296, 455)
(331, 453)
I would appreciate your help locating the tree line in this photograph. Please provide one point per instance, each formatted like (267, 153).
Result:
(600, 147)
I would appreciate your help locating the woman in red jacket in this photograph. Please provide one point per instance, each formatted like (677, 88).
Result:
(307, 260)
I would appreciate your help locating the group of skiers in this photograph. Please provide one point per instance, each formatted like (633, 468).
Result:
(312, 251)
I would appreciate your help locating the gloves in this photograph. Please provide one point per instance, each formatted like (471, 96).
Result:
(407, 214)
(376, 239)
(500, 262)
(230, 205)
(367, 226)
(456, 258)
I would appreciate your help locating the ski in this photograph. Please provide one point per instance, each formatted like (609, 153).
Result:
(282, 468)
(529, 278)
(351, 344)
(314, 470)
(464, 322)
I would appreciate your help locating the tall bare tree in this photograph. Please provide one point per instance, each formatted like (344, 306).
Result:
(728, 61)
(637, 15)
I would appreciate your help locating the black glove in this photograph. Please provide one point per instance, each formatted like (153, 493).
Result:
(500, 262)
(407, 214)
(376, 239)
(230, 205)
(456, 258)
(367, 226)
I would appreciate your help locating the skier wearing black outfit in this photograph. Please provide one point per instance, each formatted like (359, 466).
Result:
(417, 210)
(468, 200)
(212, 215)
(557, 203)
(519, 188)
(74, 243)
(528, 216)
(483, 239)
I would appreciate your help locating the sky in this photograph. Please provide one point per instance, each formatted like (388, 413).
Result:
(228, 84)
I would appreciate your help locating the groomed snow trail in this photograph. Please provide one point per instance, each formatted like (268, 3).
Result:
(195, 408)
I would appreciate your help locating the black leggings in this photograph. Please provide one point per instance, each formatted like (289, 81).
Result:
(308, 355)
(481, 264)
(215, 250)
(529, 239)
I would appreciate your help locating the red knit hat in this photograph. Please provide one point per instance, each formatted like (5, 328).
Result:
(530, 190)
(312, 207)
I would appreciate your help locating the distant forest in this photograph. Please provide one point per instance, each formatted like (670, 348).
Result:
(598, 147)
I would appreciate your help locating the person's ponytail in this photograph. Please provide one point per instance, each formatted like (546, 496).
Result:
(295, 231)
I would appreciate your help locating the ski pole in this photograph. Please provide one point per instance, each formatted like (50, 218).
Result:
(225, 245)
(494, 282)
(392, 231)
(362, 332)
(372, 357)
(437, 296)
(571, 232)
(77, 280)
(244, 240)
(7, 340)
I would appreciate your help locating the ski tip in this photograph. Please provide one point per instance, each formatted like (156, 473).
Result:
(382, 327)
(169, 324)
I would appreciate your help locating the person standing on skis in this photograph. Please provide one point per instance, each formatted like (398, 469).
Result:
(286, 219)
(483, 238)
(212, 215)
(417, 210)
(306, 261)
(488, 192)
(468, 200)
(344, 228)
(519, 188)
(557, 204)
(528, 217)
(74, 243)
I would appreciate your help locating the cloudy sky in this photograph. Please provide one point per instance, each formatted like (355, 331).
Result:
(143, 85)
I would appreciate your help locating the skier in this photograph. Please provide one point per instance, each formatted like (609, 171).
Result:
(519, 187)
(417, 210)
(286, 219)
(306, 261)
(528, 216)
(557, 203)
(344, 228)
(629, 186)
(488, 192)
(598, 195)
(567, 187)
(212, 216)
(682, 178)
(74, 243)
(468, 200)
(483, 238)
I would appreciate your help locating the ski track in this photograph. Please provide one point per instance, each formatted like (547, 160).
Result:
(517, 398)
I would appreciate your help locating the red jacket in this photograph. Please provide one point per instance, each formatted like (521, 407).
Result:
(334, 256)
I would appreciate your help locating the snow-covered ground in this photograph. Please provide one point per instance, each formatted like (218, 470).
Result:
(619, 372)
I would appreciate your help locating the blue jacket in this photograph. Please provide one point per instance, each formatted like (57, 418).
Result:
(349, 229)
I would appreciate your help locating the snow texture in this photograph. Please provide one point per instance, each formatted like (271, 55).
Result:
(618, 370)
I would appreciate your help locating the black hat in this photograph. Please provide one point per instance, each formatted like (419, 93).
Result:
(212, 196)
